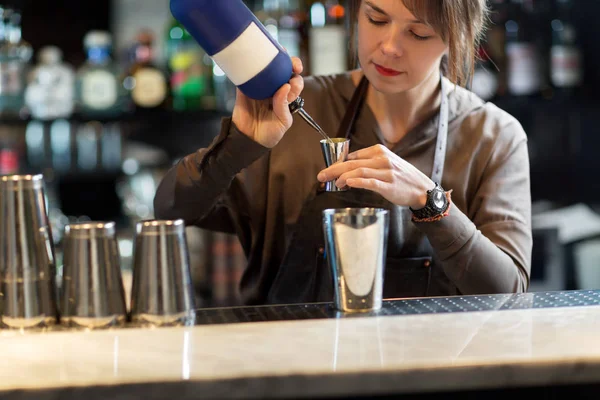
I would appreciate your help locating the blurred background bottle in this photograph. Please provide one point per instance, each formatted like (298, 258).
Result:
(290, 23)
(485, 76)
(282, 19)
(524, 64)
(15, 54)
(566, 64)
(190, 69)
(101, 91)
(149, 88)
(328, 38)
(51, 86)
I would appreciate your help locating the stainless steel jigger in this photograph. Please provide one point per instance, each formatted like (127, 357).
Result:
(27, 262)
(335, 151)
(92, 294)
(162, 292)
(356, 244)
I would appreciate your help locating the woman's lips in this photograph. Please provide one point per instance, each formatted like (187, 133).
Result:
(386, 71)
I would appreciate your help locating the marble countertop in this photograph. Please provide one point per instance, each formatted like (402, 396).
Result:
(305, 358)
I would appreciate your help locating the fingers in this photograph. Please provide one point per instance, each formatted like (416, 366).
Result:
(297, 82)
(297, 85)
(336, 170)
(374, 185)
(281, 105)
(382, 175)
(297, 66)
(369, 152)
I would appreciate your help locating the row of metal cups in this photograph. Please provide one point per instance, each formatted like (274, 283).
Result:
(91, 293)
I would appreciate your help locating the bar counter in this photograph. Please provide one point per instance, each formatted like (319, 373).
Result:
(452, 346)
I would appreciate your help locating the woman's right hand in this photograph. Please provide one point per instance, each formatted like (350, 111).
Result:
(266, 121)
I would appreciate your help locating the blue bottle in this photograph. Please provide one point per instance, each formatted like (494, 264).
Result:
(238, 43)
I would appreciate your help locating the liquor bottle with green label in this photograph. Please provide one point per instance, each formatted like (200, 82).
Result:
(190, 71)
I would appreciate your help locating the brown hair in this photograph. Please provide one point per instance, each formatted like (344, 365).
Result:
(460, 23)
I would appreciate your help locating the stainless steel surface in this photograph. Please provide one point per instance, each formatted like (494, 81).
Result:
(297, 106)
(162, 292)
(390, 307)
(356, 244)
(27, 260)
(92, 292)
(335, 151)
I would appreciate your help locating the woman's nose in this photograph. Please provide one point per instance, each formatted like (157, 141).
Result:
(391, 44)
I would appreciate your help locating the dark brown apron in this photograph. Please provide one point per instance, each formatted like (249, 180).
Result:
(304, 275)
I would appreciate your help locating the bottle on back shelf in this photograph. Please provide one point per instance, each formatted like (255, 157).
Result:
(149, 89)
(281, 20)
(190, 71)
(51, 88)
(485, 75)
(15, 54)
(268, 15)
(495, 42)
(328, 38)
(566, 67)
(290, 36)
(100, 88)
(524, 66)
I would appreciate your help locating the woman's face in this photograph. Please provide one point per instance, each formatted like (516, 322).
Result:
(396, 51)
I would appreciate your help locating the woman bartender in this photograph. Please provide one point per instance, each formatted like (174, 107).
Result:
(417, 135)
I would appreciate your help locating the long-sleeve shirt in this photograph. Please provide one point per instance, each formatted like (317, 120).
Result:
(238, 186)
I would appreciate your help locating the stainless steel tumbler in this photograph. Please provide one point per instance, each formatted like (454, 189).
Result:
(92, 293)
(356, 244)
(27, 259)
(162, 291)
(335, 151)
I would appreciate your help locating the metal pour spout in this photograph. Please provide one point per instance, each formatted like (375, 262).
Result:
(297, 106)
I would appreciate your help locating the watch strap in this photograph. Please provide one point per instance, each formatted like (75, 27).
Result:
(430, 213)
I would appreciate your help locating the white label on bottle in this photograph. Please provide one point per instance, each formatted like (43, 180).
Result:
(328, 50)
(566, 66)
(247, 55)
(49, 95)
(150, 88)
(524, 69)
(99, 90)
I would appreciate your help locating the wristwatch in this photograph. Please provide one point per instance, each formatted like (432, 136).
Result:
(436, 205)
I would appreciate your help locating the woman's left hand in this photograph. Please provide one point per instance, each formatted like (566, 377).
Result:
(378, 169)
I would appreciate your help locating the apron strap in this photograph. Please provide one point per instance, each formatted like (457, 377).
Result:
(357, 100)
(442, 136)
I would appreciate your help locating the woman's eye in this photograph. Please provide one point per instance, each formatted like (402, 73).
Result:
(419, 37)
(376, 22)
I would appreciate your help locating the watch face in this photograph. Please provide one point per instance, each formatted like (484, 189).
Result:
(439, 199)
